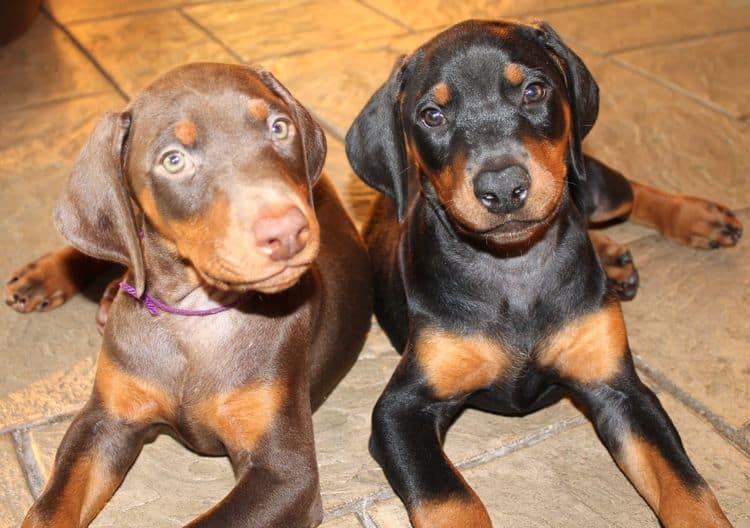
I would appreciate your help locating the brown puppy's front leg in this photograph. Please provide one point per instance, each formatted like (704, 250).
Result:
(267, 429)
(592, 359)
(92, 460)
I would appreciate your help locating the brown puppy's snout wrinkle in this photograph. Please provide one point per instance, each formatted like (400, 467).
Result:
(502, 191)
(281, 235)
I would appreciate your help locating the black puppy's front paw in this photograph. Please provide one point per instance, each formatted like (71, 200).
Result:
(622, 277)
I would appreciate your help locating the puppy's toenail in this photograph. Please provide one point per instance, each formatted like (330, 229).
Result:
(12, 280)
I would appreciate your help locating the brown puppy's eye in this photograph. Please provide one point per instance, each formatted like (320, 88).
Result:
(280, 129)
(433, 117)
(533, 93)
(173, 162)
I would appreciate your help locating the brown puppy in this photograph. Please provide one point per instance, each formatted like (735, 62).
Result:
(204, 188)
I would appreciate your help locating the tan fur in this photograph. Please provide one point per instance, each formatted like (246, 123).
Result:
(514, 74)
(675, 505)
(242, 417)
(589, 349)
(185, 131)
(441, 93)
(450, 513)
(131, 398)
(258, 109)
(455, 364)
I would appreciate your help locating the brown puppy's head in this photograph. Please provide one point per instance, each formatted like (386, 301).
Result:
(489, 116)
(220, 161)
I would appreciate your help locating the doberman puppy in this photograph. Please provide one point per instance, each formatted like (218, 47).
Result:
(490, 285)
(204, 188)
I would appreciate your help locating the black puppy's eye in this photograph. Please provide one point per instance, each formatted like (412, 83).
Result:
(433, 117)
(280, 129)
(534, 92)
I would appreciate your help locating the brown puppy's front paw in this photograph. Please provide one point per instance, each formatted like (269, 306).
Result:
(705, 225)
(39, 286)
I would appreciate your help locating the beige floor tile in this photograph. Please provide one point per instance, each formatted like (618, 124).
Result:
(656, 136)
(623, 25)
(44, 65)
(441, 13)
(257, 29)
(15, 498)
(570, 480)
(47, 358)
(67, 12)
(137, 49)
(714, 69)
(689, 321)
(336, 83)
(348, 521)
(356, 195)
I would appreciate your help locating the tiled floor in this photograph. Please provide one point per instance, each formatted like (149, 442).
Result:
(675, 79)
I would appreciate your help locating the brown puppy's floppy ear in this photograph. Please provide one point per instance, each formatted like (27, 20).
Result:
(94, 211)
(375, 141)
(313, 139)
(583, 93)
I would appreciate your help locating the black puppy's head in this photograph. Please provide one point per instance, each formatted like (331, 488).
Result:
(490, 117)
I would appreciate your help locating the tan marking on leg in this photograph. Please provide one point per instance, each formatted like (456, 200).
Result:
(185, 131)
(589, 349)
(455, 364)
(441, 93)
(258, 109)
(242, 417)
(514, 74)
(656, 480)
(621, 211)
(130, 398)
(450, 513)
(89, 487)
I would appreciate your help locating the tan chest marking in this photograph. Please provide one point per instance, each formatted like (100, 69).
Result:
(130, 398)
(589, 349)
(455, 364)
(665, 492)
(242, 417)
(450, 512)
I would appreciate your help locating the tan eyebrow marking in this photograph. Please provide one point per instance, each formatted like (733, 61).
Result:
(514, 74)
(441, 93)
(258, 109)
(185, 131)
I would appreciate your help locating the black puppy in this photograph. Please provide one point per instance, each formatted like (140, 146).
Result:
(490, 286)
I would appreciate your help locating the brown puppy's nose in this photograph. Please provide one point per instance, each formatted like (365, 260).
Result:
(282, 234)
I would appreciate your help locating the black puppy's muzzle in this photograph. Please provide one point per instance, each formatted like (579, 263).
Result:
(502, 191)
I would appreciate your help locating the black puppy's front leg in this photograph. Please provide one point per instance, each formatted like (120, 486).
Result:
(592, 359)
(267, 429)
(436, 374)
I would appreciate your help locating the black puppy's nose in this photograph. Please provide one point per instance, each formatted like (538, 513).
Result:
(502, 191)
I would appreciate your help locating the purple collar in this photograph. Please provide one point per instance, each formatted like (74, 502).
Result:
(154, 305)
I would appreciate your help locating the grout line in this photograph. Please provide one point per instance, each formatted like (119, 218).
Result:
(25, 452)
(360, 505)
(59, 100)
(672, 86)
(725, 430)
(142, 12)
(87, 54)
(47, 420)
(236, 56)
(382, 13)
(677, 40)
(540, 436)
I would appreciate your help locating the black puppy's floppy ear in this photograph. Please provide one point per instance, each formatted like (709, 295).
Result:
(94, 211)
(375, 142)
(583, 92)
(313, 138)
